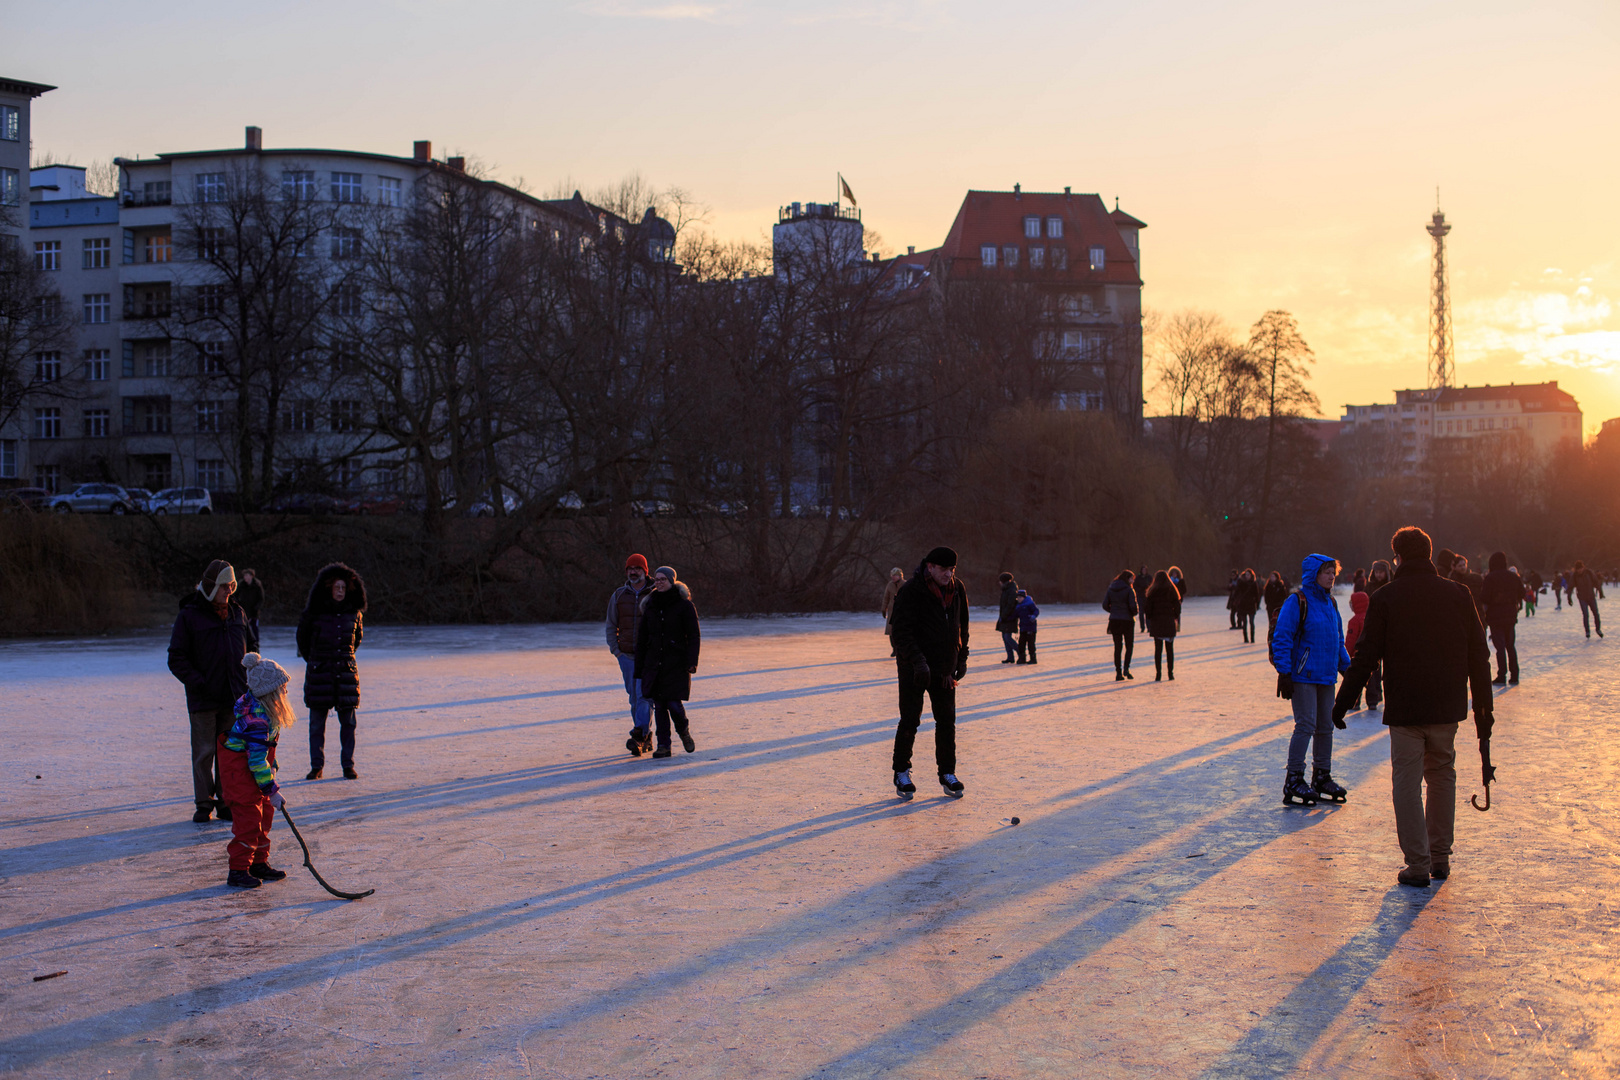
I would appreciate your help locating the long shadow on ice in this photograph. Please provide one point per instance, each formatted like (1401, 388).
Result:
(101, 847)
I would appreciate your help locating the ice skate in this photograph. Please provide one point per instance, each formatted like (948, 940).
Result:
(903, 786)
(1296, 790)
(953, 787)
(1322, 783)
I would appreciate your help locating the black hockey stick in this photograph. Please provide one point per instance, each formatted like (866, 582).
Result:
(340, 894)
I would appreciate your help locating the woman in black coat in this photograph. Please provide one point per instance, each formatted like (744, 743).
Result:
(1120, 603)
(1162, 606)
(329, 631)
(667, 643)
(1246, 601)
(1275, 595)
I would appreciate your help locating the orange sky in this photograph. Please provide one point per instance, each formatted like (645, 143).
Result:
(1283, 154)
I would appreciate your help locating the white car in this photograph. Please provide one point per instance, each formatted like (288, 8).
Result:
(191, 500)
(93, 499)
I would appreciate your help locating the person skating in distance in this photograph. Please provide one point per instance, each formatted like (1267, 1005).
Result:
(1120, 603)
(1503, 595)
(931, 646)
(247, 771)
(330, 629)
(1426, 631)
(1588, 588)
(623, 620)
(667, 645)
(1308, 653)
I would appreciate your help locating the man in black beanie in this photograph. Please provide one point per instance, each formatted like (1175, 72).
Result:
(930, 638)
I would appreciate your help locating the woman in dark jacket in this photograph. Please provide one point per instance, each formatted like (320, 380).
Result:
(667, 643)
(1246, 601)
(329, 630)
(1275, 592)
(1120, 603)
(1162, 606)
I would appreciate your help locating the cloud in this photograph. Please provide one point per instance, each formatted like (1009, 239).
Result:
(1577, 328)
(699, 12)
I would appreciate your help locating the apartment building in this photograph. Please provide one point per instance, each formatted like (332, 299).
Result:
(16, 127)
(1541, 413)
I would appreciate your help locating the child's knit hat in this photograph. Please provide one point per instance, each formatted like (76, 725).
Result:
(264, 677)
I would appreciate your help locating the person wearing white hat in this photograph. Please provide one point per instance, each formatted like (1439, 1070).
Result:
(211, 635)
(247, 771)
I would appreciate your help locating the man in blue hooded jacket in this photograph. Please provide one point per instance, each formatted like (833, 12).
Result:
(1308, 652)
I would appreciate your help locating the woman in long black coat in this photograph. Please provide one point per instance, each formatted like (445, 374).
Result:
(329, 630)
(1162, 606)
(667, 643)
(1246, 601)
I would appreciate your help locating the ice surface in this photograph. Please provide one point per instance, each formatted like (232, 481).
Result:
(548, 906)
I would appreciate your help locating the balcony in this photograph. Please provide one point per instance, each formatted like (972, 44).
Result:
(817, 212)
(144, 198)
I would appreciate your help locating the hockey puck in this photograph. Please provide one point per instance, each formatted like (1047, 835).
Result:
(1015, 821)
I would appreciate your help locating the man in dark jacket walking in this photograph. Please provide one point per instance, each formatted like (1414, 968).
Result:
(931, 646)
(211, 635)
(1588, 588)
(623, 620)
(1503, 595)
(1427, 633)
(1007, 619)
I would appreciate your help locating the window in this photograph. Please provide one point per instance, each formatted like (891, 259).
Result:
(8, 459)
(345, 187)
(150, 301)
(346, 300)
(210, 243)
(211, 187)
(389, 191)
(298, 185)
(154, 358)
(345, 243)
(210, 300)
(155, 192)
(97, 253)
(97, 307)
(158, 249)
(10, 129)
(1054, 228)
(345, 360)
(1037, 257)
(156, 471)
(10, 189)
(211, 358)
(155, 416)
(211, 472)
(1060, 258)
(987, 255)
(350, 476)
(1087, 304)
(49, 310)
(298, 415)
(97, 423)
(210, 415)
(1099, 258)
(47, 367)
(47, 255)
(345, 415)
(1073, 344)
(1032, 227)
(1009, 256)
(49, 477)
(98, 364)
(48, 423)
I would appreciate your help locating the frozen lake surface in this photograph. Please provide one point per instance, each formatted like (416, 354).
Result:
(547, 906)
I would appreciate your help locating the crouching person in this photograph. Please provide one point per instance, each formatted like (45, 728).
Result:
(247, 771)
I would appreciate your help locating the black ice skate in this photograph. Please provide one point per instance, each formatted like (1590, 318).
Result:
(953, 787)
(1322, 783)
(1296, 790)
(903, 786)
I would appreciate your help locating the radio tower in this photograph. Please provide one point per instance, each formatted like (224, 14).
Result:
(1442, 361)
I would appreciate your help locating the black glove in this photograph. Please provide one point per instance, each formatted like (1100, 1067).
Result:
(920, 672)
(961, 670)
(1483, 722)
(1285, 686)
(1338, 718)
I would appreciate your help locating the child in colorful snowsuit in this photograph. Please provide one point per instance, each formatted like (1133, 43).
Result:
(1027, 614)
(247, 771)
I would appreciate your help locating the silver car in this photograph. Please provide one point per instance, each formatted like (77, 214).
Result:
(191, 500)
(94, 499)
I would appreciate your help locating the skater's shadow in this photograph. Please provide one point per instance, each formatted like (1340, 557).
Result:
(101, 847)
(96, 812)
(102, 913)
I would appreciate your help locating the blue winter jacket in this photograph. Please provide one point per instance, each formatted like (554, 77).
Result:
(1315, 653)
(1027, 613)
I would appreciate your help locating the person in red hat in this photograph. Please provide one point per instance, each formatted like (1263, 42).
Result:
(623, 620)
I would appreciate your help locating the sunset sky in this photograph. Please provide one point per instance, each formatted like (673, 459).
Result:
(1283, 154)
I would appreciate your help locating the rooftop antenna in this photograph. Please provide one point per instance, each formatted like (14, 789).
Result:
(1442, 358)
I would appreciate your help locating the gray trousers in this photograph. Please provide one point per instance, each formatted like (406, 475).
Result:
(1313, 725)
(206, 728)
(1418, 755)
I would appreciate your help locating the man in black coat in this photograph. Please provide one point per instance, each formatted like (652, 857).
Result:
(211, 635)
(931, 649)
(1007, 620)
(1503, 595)
(1426, 631)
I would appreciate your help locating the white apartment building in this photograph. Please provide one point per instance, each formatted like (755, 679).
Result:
(16, 126)
(1539, 412)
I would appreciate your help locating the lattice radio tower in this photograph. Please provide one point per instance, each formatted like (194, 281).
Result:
(1442, 359)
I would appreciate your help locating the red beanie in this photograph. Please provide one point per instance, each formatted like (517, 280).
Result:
(636, 561)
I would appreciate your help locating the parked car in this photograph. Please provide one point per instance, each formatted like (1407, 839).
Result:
(93, 499)
(140, 498)
(299, 502)
(191, 500)
(27, 498)
(486, 508)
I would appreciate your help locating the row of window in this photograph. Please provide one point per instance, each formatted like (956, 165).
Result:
(1037, 255)
(152, 416)
(154, 359)
(1032, 227)
(159, 248)
(343, 187)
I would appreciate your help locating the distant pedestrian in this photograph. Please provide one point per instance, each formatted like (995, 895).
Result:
(1231, 602)
(1007, 619)
(1352, 633)
(1121, 604)
(623, 620)
(1308, 652)
(897, 578)
(1162, 606)
(1028, 619)
(1588, 589)
(1143, 580)
(1359, 582)
(250, 594)
(247, 771)
(211, 635)
(1378, 576)
(329, 631)
(1472, 580)
(1503, 593)
(1426, 631)
(1246, 601)
(931, 638)
(1273, 595)
(1174, 573)
(668, 642)
(1569, 586)
(1558, 590)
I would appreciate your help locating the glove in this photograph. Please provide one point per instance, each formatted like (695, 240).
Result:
(920, 672)
(1338, 718)
(692, 670)
(277, 801)
(1483, 722)
(1285, 686)
(961, 670)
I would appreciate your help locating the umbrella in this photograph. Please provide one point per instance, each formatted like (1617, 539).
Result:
(1489, 772)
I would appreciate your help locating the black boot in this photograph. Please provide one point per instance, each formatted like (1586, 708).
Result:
(224, 812)
(662, 751)
(686, 739)
(313, 774)
(204, 812)
(265, 872)
(241, 879)
(1296, 790)
(1322, 783)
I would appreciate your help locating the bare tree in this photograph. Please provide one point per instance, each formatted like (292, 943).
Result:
(1281, 358)
(34, 330)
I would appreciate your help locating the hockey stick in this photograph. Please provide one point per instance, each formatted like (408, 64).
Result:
(341, 895)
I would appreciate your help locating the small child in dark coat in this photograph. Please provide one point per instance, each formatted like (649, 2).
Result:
(1027, 614)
